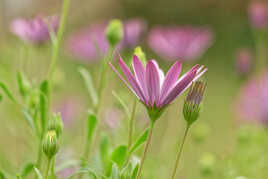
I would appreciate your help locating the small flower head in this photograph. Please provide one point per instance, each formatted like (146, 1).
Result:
(243, 62)
(192, 103)
(50, 143)
(155, 90)
(114, 32)
(55, 123)
(35, 30)
(258, 14)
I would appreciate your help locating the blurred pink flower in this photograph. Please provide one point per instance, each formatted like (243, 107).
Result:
(152, 87)
(68, 108)
(243, 61)
(252, 104)
(34, 30)
(112, 117)
(258, 14)
(90, 44)
(134, 29)
(186, 43)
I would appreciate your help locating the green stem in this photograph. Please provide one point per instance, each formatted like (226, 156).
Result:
(180, 152)
(48, 168)
(53, 168)
(145, 149)
(39, 155)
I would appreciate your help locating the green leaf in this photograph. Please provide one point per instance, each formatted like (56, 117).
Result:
(29, 119)
(135, 163)
(89, 84)
(104, 152)
(43, 111)
(139, 141)
(44, 87)
(38, 173)
(1, 97)
(2, 175)
(27, 169)
(115, 172)
(119, 154)
(92, 121)
(87, 171)
(7, 92)
(121, 102)
(24, 84)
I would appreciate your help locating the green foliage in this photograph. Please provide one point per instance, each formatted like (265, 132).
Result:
(23, 84)
(141, 139)
(119, 154)
(7, 92)
(38, 173)
(92, 122)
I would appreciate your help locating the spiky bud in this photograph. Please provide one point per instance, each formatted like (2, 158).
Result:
(56, 124)
(114, 32)
(50, 143)
(138, 51)
(193, 101)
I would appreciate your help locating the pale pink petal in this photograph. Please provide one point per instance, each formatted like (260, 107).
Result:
(131, 79)
(153, 81)
(180, 86)
(139, 72)
(170, 79)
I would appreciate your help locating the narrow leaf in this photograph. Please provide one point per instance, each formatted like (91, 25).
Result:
(23, 84)
(29, 119)
(27, 169)
(119, 154)
(92, 121)
(139, 141)
(7, 92)
(89, 84)
(121, 102)
(43, 111)
(44, 87)
(38, 173)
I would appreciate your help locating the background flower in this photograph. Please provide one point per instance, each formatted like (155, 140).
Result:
(243, 61)
(258, 14)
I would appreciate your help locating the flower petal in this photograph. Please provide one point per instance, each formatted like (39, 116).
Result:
(139, 72)
(131, 79)
(152, 81)
(180, 86)
(170, 79)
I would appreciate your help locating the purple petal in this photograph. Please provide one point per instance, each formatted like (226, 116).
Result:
(170, 79)
(153, 81)
(181, 85)
(139, 72)
(131, 79)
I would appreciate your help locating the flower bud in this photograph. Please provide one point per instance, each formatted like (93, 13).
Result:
(50, 143)
(114, 32)
(138, 51)
(192, 103)
(56, 124)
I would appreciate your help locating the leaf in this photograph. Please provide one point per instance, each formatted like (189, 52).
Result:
(104, 152)
(121, 102)
(119, 154)
(29, 119)
(89, 84)
(7, 92)
(1, 97)
(115, 172)
(44, 87)
(27, 169)
(2, 175)
(43, 111)
(88, 171)
(92, 121)
(135, 163)
(23, 83)
(139, 141)
(38, 174)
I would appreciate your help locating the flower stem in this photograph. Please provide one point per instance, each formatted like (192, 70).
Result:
(48, 168)
(180, 152)
(145, 149)
(39, 155)
(53, 168)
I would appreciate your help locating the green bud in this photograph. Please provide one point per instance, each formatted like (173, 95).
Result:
(193, 101)
(138, 51)
(24, 84)
(56, 124)
(114, 32)
(207, 164)
(50, 143)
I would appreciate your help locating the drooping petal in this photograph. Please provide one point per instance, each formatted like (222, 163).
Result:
(180, 86)
(170, 79)
(152, 81)
(139, 72)
(131, 79)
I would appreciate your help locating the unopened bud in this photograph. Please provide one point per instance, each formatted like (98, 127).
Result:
(56, 124)
(114, 32)
(138, 51)
(50, 143)
(193, 101)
